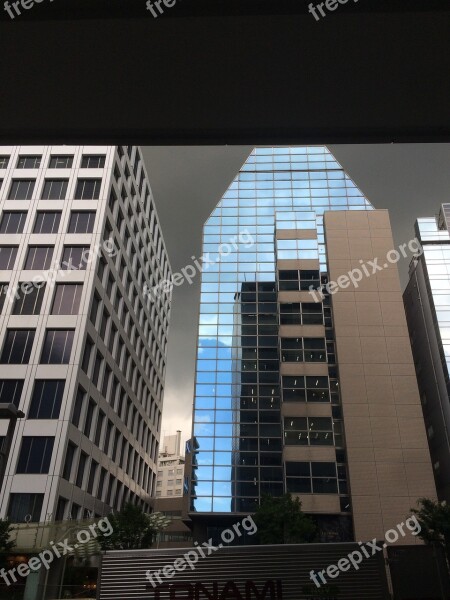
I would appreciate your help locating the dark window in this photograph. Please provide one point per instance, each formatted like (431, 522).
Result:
(61, 509)
(46, 399)
(12, 221)
(54, 189)
(68, 463)
(88, 419)
(74, 258)
(99, 427)
(87, 354)
(78, 406)
(81, 469)
(21, 189)
(60, 162)
(67, 298)
(92, 161)
(35, 454)
(17, 346)
(57, 346)
(4, 160)
(7, 257)
(92, 474)
(29, 162)
(10, 391)
(39, 258)
(47, 222)
(25, 505)
(28, 299)
(81, 221)
(88, 189)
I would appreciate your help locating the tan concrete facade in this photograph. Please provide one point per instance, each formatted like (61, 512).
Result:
(388, 458)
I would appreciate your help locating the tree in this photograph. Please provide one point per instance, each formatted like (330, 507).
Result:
(5, 544)
(280, 520)
(132, 529)
(434, 521)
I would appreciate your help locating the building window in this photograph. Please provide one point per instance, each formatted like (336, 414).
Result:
(12, 221)
(28, 162)
(21, 189)
(47, 222)
(81, 469)
(303, 350)
(54, 189)
(92, 161)
(87, 355)
(88, 418)
(305, 389)
(38, 258)
(60, 162)
(67, 299)
(305, 313)
(170, 492)
(68, 463)
(88, 189)
(57, 346)
(29, 299)
(10, 391)
(25, 505)
(92, 474)
(35, 454)
(298, 280)
(74, 258)
(17, 346)
(61, 509)
(7, 257)
(4, 160)
(78, 406)
(304, 431)
(315, 478)
(81, 221)
(46, 399)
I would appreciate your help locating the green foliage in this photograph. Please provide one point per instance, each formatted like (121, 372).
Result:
(280, 520)
(434, 520)
(5, 544)
(132, 529)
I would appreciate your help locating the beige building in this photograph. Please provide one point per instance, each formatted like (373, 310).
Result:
(170, 477)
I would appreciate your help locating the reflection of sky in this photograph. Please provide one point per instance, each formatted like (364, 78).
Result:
(295, 185)
(437, 259)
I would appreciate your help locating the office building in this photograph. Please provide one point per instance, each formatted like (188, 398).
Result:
(313, 394)
(82, 342)
(170, 477)
(427, 302)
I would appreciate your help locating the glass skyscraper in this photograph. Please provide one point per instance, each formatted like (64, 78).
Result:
(427, 304)
(238, 421)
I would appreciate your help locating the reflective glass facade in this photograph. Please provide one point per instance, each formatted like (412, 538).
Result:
(237, 418)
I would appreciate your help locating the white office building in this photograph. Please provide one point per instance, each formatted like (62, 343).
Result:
(170, 478)
(82, 344)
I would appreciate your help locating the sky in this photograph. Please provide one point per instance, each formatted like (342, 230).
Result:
(410, 180)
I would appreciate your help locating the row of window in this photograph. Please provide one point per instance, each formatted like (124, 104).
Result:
(29, 296)
(57, 161)
(87, 411)
(55, 350)
(40, 258)
(80, 221)
(55, 189)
